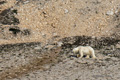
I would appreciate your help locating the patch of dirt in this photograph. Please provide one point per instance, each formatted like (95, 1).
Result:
(48, 18)
(12, 32)
(35, 63)
(7, 17)
(36, 58)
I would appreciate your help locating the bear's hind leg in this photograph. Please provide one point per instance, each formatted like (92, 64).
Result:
(93, 56)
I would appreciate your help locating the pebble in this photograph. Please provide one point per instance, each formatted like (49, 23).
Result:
(1, 60)
(37, 48)
(66, 11)
(1, 69)
(59, 44)
(114, 59)
(46, 66)
(26, 2)
(117, 45)
(110, 12)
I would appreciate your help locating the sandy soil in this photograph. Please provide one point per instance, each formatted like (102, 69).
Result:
(63, 18)
(32, 30)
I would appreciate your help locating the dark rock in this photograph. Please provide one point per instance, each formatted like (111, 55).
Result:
(96, 43)
(2, 2)
(7, 17)
(26, 32)
(15, 30)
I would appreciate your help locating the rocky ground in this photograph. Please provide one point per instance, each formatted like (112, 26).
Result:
(34, 61)
(37, 38)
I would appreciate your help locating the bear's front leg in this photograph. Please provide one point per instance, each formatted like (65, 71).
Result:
(87, 56)
(81, 54)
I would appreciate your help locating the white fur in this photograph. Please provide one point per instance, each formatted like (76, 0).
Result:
(85, 50)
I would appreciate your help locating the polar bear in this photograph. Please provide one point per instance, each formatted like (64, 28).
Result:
(85, 50)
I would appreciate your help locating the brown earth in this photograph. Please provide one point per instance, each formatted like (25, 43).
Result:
(32, 30)
(61, 18)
